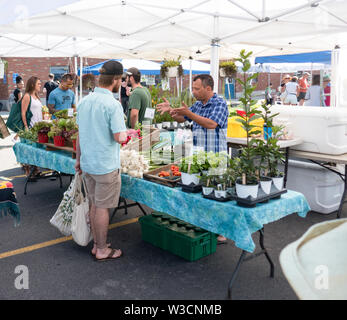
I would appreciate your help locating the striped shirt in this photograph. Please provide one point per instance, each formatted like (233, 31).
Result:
(213, 140)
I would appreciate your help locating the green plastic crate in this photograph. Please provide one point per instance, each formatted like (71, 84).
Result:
(176, 236)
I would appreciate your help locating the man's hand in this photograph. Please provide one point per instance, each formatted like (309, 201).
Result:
(183, 111)
(163, 107)
(78, 167)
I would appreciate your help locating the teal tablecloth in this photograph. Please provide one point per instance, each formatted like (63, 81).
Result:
(225, 218)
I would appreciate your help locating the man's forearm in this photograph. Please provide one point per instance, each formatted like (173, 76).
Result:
(78, 149)
(202, 121)
(178, 118)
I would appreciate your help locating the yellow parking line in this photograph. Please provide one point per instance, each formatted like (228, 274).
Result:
(56, 241)
(20, 176)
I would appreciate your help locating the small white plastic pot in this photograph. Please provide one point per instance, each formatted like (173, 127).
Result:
(172, 72)
(166, 124)
(266, 184)
(159, 125)
(207, 190)
(188, 178)
(220, 193)
(245, 190)
(175, 124)
(278, 182)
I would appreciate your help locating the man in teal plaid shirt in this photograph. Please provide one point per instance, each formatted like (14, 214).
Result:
(209, 115)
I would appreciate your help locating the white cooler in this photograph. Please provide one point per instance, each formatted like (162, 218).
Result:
(322, 188)
(323, 129)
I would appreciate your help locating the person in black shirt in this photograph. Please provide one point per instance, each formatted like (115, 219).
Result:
(17, 93)
(49, 86)
(124, 94)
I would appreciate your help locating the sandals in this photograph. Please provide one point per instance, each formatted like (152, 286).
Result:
(110, 256)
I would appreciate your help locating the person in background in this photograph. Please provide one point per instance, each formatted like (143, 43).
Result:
(140, 99)
(101, 132)
(124, 93)
(268, 94)
(283, 92)
(62, 97)
(49, 86)
(327, 90)
(314, 94)
(17, 93)
(292, 89)
(303, 86)
(31, 98)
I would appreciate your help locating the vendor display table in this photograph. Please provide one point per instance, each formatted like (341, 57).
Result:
(324, 160)
(284, 144)
(224, 218)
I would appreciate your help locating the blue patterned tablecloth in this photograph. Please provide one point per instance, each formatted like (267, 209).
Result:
(225, 218)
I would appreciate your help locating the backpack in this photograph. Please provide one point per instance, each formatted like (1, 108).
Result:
(14, 121)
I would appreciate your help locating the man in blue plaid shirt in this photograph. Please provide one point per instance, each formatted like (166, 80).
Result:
(209, 115)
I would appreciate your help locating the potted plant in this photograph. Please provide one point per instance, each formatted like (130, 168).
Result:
(42, 128)
(28, 136)
(171, 68)
(247, 184)
(190, 170)
(221, 187)
(227, 69)
(207, 184)
(69, 128)
(56, 133)
(274, 158)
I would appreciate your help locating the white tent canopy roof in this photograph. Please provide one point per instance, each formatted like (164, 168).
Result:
(154, 29)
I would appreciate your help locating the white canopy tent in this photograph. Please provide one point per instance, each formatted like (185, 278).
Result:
(155, 29)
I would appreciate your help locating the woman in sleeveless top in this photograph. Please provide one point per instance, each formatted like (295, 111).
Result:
(33, 87)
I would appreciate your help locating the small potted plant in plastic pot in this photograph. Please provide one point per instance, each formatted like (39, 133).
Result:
(207, 184)
(190, 171)
(42, 128)
(56, 134)
(171, 68)
(227, 69)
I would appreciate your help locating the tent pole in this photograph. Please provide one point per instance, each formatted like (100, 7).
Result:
(335, 54)
(81, 74)
(190, 76)
(215, 55)
(76, 71)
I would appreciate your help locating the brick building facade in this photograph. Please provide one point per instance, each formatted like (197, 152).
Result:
(41, 67)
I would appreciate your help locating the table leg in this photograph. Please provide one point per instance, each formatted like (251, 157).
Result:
(343, 195)
(27, 179)
(243, 258)
(286, 167)
(126, 206)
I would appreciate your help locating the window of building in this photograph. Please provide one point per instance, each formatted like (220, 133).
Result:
(59, 71)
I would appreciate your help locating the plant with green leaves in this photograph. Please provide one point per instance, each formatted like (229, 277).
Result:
(62, 114)
(28, 134)
(55, 131)
(190, 165)
(229, 67)
(168, 63)
(42, 127)
(245, 116)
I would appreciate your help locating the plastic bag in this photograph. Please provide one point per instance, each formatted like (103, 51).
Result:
(80, 226)
(62, 218)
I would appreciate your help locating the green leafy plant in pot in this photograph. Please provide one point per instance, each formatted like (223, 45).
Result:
(190, 170)
(228, 69)
(171, 68)
(208, 184)
(56, 133)
(42, 128)
(248, 184)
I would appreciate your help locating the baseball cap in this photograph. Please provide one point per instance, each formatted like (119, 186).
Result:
(133, 72)
(111, 68)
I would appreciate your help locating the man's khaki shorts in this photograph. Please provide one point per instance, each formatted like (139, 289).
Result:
(104, 190)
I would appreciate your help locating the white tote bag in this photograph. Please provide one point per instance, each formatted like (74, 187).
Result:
(80, 226)
(63, 216)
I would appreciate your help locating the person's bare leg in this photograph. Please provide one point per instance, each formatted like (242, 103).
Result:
(101, 223)
(92, 213)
